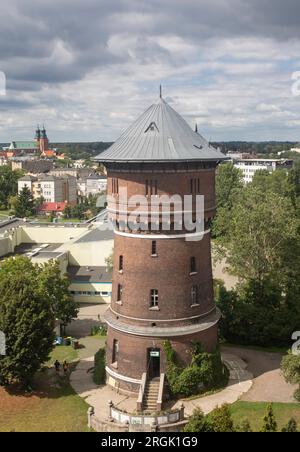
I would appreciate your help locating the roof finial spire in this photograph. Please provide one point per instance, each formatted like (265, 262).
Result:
(160, 91)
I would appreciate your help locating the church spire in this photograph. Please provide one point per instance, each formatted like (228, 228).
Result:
(38, 133)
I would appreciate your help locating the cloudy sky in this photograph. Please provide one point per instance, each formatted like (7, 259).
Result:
(88, 68)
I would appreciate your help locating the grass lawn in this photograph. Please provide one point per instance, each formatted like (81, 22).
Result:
(63, 353)
(53, 407)
(4, 213)
(255, 412)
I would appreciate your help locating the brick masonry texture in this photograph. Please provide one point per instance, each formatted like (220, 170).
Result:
(169, 272)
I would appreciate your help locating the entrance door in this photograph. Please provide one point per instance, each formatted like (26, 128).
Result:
(153, 362)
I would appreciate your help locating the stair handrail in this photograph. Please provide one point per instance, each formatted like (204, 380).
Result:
(160, 392)
(140, 399)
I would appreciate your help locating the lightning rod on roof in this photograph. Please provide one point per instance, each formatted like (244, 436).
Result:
(160, 91)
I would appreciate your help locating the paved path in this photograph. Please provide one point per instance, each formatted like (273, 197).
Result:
(99, 396)
(268, 383)
(88, 316)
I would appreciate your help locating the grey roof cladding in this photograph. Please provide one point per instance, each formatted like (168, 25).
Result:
(160, 134)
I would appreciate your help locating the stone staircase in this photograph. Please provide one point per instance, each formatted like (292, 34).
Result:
(151, 395)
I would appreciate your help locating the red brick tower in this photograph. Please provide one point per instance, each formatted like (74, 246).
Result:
(43, 141)
(162, 282)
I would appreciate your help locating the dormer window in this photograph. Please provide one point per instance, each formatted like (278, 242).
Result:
(152, 127)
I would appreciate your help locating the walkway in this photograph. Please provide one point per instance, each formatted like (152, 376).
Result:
(99, 397)
(268, 383)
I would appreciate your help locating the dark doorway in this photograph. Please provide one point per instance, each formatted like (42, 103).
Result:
(153, 362)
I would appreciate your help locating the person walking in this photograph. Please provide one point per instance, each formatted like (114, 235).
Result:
(66, 368)
(57, 366)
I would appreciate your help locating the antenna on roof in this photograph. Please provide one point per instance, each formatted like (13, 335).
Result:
(160, 91)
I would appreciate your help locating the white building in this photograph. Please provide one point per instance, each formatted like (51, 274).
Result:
(52, 189)
(250, 166)
(95, 184)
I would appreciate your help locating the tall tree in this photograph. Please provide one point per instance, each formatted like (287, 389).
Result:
(56, 288)
(262, 239)
(8, 184)
(26, 319)
(229, 183)
(25, 205)
(269, 421)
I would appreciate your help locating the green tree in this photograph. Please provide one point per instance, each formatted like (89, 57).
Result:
(244, 427)
(25, 206)
(269, 422)
(220, 420)
(197, 423)
(12, 201)
(27, 320)
(262, 239)
(8, 184)
(291, 427)
(56, 288)
(229, 182)
(68, 212)
(290, 367)
(109, 261)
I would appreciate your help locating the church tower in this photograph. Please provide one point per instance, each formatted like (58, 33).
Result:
(44, 142)
(162, 277)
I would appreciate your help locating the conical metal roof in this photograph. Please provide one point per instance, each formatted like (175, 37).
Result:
(160, 135)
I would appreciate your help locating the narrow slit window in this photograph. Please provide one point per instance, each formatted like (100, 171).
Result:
(154, 248)
(120, 292)
(193, 268)
(121, 261)
(115, 351)
(194, 295)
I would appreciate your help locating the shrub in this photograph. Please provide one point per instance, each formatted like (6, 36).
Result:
(99, 330)
(244, 427)
(99, 368)
(188, 382)
(291, 427)
(269, 421)
(220, 420)
(197, 423)
(297, 395)
(206, 370)
(290, 367)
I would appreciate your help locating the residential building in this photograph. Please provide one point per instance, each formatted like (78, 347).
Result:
(72, 171)
(57, 192)
(250, 166)
(31, 166)
(95, 184)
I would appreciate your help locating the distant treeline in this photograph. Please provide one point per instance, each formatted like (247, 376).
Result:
(264, 147)
(76, 151)
(86, 151)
